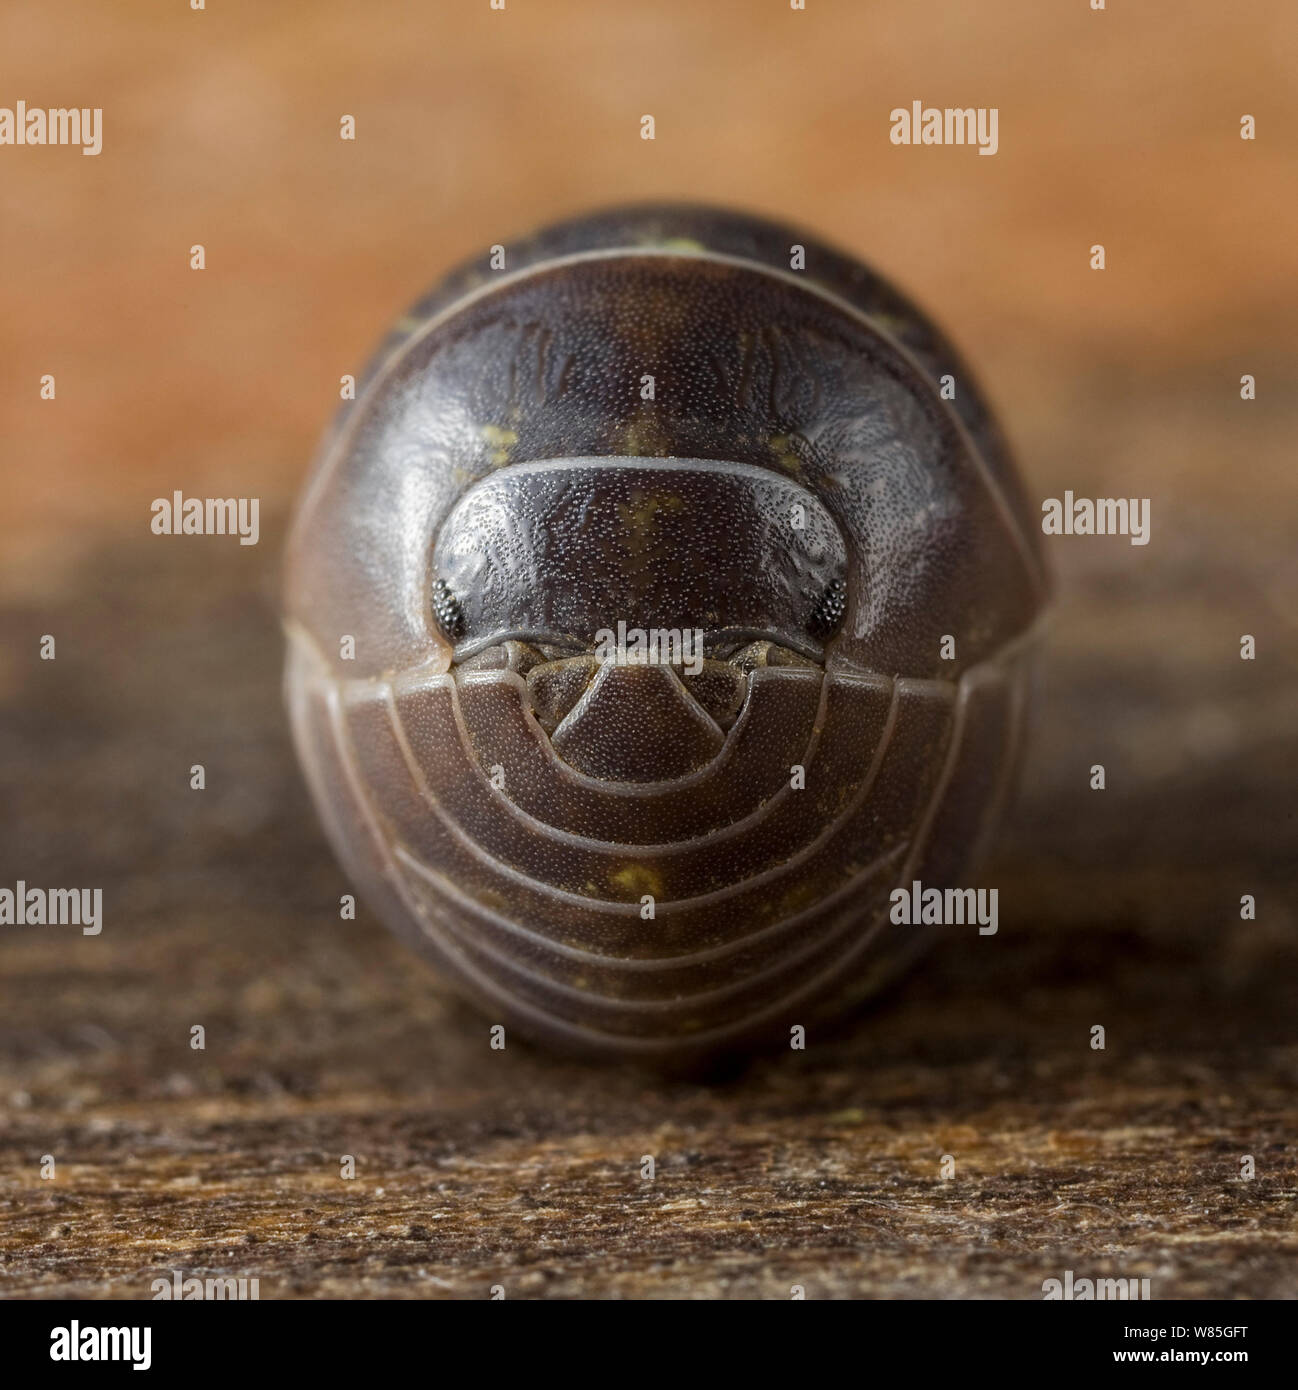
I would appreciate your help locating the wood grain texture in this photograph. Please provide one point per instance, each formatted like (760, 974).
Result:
(326, 1038)
(477, 1167)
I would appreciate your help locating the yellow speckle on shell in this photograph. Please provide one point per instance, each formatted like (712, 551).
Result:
(501, 442)
(635, 880)
(643, 437)
(785, 455)
(889, 323)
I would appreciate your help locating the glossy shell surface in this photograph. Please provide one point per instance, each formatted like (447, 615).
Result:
(648, 418)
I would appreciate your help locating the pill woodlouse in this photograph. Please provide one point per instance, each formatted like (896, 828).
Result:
(679, 420)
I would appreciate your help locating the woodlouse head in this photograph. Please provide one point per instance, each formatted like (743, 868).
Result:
(633, 596)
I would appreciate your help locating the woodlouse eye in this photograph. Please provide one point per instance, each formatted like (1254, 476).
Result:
(830, 610)
(447, 610)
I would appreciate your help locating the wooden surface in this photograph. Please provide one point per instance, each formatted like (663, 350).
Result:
(326, 1038)
(477, 1167)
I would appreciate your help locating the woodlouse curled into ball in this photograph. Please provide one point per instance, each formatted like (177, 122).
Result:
(649, 424)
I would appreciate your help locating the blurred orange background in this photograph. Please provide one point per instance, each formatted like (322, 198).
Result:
(221, 127)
